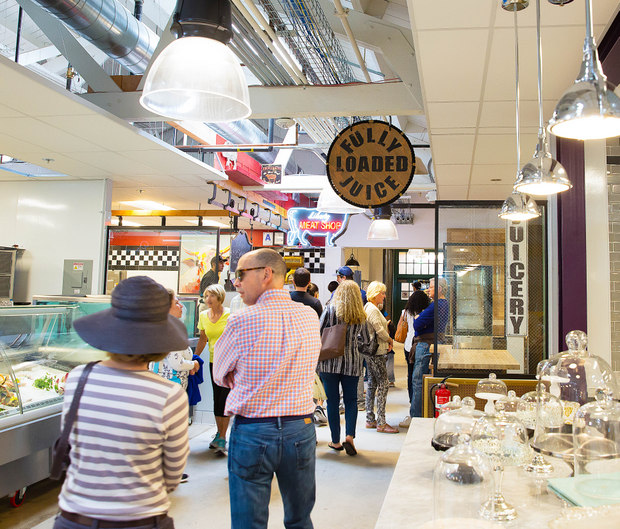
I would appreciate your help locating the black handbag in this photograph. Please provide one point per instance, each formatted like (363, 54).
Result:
(60, 451)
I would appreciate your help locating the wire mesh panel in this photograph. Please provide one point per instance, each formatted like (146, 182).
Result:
(302, 25)
(495, 273)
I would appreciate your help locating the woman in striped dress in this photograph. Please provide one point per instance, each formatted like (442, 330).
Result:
(346, 307)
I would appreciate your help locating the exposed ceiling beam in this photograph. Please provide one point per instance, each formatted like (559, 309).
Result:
(376, 99)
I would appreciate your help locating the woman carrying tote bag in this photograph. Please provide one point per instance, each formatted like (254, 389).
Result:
(346, 307)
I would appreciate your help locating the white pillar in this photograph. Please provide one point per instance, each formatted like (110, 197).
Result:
(597, 250)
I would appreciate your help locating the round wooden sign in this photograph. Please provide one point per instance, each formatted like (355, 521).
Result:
(370, 164)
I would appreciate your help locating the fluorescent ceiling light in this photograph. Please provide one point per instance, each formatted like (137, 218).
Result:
(128, 223)
(208, 223)
(147, 205)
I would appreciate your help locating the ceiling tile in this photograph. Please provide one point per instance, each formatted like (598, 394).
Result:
(452, 193)
(452, 64)
(8, 112)
(114, 163)
(453, 115)
(490, 192)
(452, 149)
(435, 14)
(498, 149)
(452, 175)
(482, 174)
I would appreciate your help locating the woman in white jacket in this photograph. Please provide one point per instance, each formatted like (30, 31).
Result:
(378, 383)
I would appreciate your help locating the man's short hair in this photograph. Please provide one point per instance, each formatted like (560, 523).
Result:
(417, 285)
(301, 277)
(442, 283)
(272, 259)
(217, 259)
(332, 285)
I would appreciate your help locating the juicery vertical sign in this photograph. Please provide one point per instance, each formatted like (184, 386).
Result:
(516, 279)
(370, 164)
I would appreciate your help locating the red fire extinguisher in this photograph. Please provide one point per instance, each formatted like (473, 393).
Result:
(442, 396)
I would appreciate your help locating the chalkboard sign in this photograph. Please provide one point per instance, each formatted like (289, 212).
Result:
(239, 246)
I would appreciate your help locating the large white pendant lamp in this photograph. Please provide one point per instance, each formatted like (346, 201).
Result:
(197, 77)
(542, 175)
(518, 207)
(382, 228)
(588, 110)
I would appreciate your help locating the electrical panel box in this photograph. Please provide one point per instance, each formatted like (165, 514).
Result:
(77, 277)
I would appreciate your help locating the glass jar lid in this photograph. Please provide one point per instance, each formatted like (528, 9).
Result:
(451, 425)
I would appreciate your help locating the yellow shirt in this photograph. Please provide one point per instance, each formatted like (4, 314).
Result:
(212, 330)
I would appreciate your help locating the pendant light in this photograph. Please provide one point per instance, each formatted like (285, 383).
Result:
(352, 261)
(330, 202)
(382, 228)
(517, 207)
(197, 77)
(588, 110)
(542, 175)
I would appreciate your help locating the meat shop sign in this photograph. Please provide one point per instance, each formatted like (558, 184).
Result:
(370, 164)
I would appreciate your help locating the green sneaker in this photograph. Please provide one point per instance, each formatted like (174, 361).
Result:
(213, 444)
(221, 446)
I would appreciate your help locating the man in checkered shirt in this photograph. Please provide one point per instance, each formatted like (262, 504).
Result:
(267, 356)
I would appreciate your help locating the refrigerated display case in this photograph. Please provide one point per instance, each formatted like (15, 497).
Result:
(38, 347)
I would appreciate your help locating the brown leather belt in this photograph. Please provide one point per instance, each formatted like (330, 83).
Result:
(103, 524)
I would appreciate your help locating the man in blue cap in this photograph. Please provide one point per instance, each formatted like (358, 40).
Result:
(343, 273)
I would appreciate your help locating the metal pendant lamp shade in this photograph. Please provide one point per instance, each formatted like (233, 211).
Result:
(197, 77)
(352, 261)
(588, 110)
(330, 202)
(519, 207)
(542, 175)
(382, 228)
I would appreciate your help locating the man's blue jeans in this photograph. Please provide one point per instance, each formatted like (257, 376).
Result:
(256, 452)
(331, 384)
(420, 368)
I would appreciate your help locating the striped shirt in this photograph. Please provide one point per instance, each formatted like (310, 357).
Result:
(128, 444)
(267, 356)
(351, 362)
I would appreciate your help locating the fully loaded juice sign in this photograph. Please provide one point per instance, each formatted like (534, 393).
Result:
(370, 164)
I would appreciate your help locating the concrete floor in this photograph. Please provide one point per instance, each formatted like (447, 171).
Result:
(350, 490)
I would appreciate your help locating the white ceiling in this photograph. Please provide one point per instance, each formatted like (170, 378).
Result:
(458, 55)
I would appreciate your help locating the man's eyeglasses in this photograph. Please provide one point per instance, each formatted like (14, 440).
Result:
(240, 272)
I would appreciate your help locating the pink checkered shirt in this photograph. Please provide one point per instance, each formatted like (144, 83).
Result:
(267, 356)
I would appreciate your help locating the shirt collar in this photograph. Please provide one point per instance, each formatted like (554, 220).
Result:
(273, 294)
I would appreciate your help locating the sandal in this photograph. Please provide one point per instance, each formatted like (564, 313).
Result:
(349, 448)
(334, 447)
(371, 424)
(386, 428)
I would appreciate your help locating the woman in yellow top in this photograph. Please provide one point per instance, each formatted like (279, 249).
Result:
(211, 324)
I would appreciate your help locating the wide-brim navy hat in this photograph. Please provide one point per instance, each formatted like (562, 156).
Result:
(137, 323)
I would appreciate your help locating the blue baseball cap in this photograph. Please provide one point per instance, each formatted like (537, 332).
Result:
(344, 271)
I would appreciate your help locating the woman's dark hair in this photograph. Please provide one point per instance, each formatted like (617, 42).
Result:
(332, 285)
(312, 289)
(417, 302)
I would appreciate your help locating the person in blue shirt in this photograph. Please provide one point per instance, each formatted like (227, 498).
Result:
(343, 273)
(425, 332)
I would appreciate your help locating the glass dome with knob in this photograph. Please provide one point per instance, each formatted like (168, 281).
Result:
(451, 426)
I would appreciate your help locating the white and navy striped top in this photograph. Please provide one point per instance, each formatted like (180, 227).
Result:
(128, 445)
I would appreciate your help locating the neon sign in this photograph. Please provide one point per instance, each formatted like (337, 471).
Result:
(304, 222)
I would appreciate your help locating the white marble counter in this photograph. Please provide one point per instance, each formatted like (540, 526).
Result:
(409, 499)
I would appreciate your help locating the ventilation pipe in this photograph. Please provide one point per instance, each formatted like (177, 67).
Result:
(109, 26)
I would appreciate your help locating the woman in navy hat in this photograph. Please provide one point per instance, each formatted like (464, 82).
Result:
(129, 439)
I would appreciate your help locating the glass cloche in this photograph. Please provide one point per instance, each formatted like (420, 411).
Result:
(452, 424)
(510, 402)
(462, 481)
(596, 438)
(503, 438)
(490, 389)
(542, 415)
(451, 405)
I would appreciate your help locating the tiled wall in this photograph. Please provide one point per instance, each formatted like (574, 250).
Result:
(613, 178)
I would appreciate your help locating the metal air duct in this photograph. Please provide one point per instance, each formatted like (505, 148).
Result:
(110, 27)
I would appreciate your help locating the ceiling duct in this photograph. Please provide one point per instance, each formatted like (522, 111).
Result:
(110, 27)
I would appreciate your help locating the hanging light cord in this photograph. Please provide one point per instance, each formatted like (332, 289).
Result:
(517, 88)
(541, 128)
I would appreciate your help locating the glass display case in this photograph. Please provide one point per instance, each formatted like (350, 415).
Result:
(90, 304)
(38, 347)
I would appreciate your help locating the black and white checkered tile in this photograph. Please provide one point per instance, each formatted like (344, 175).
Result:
(314, 258)
(153, 258)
